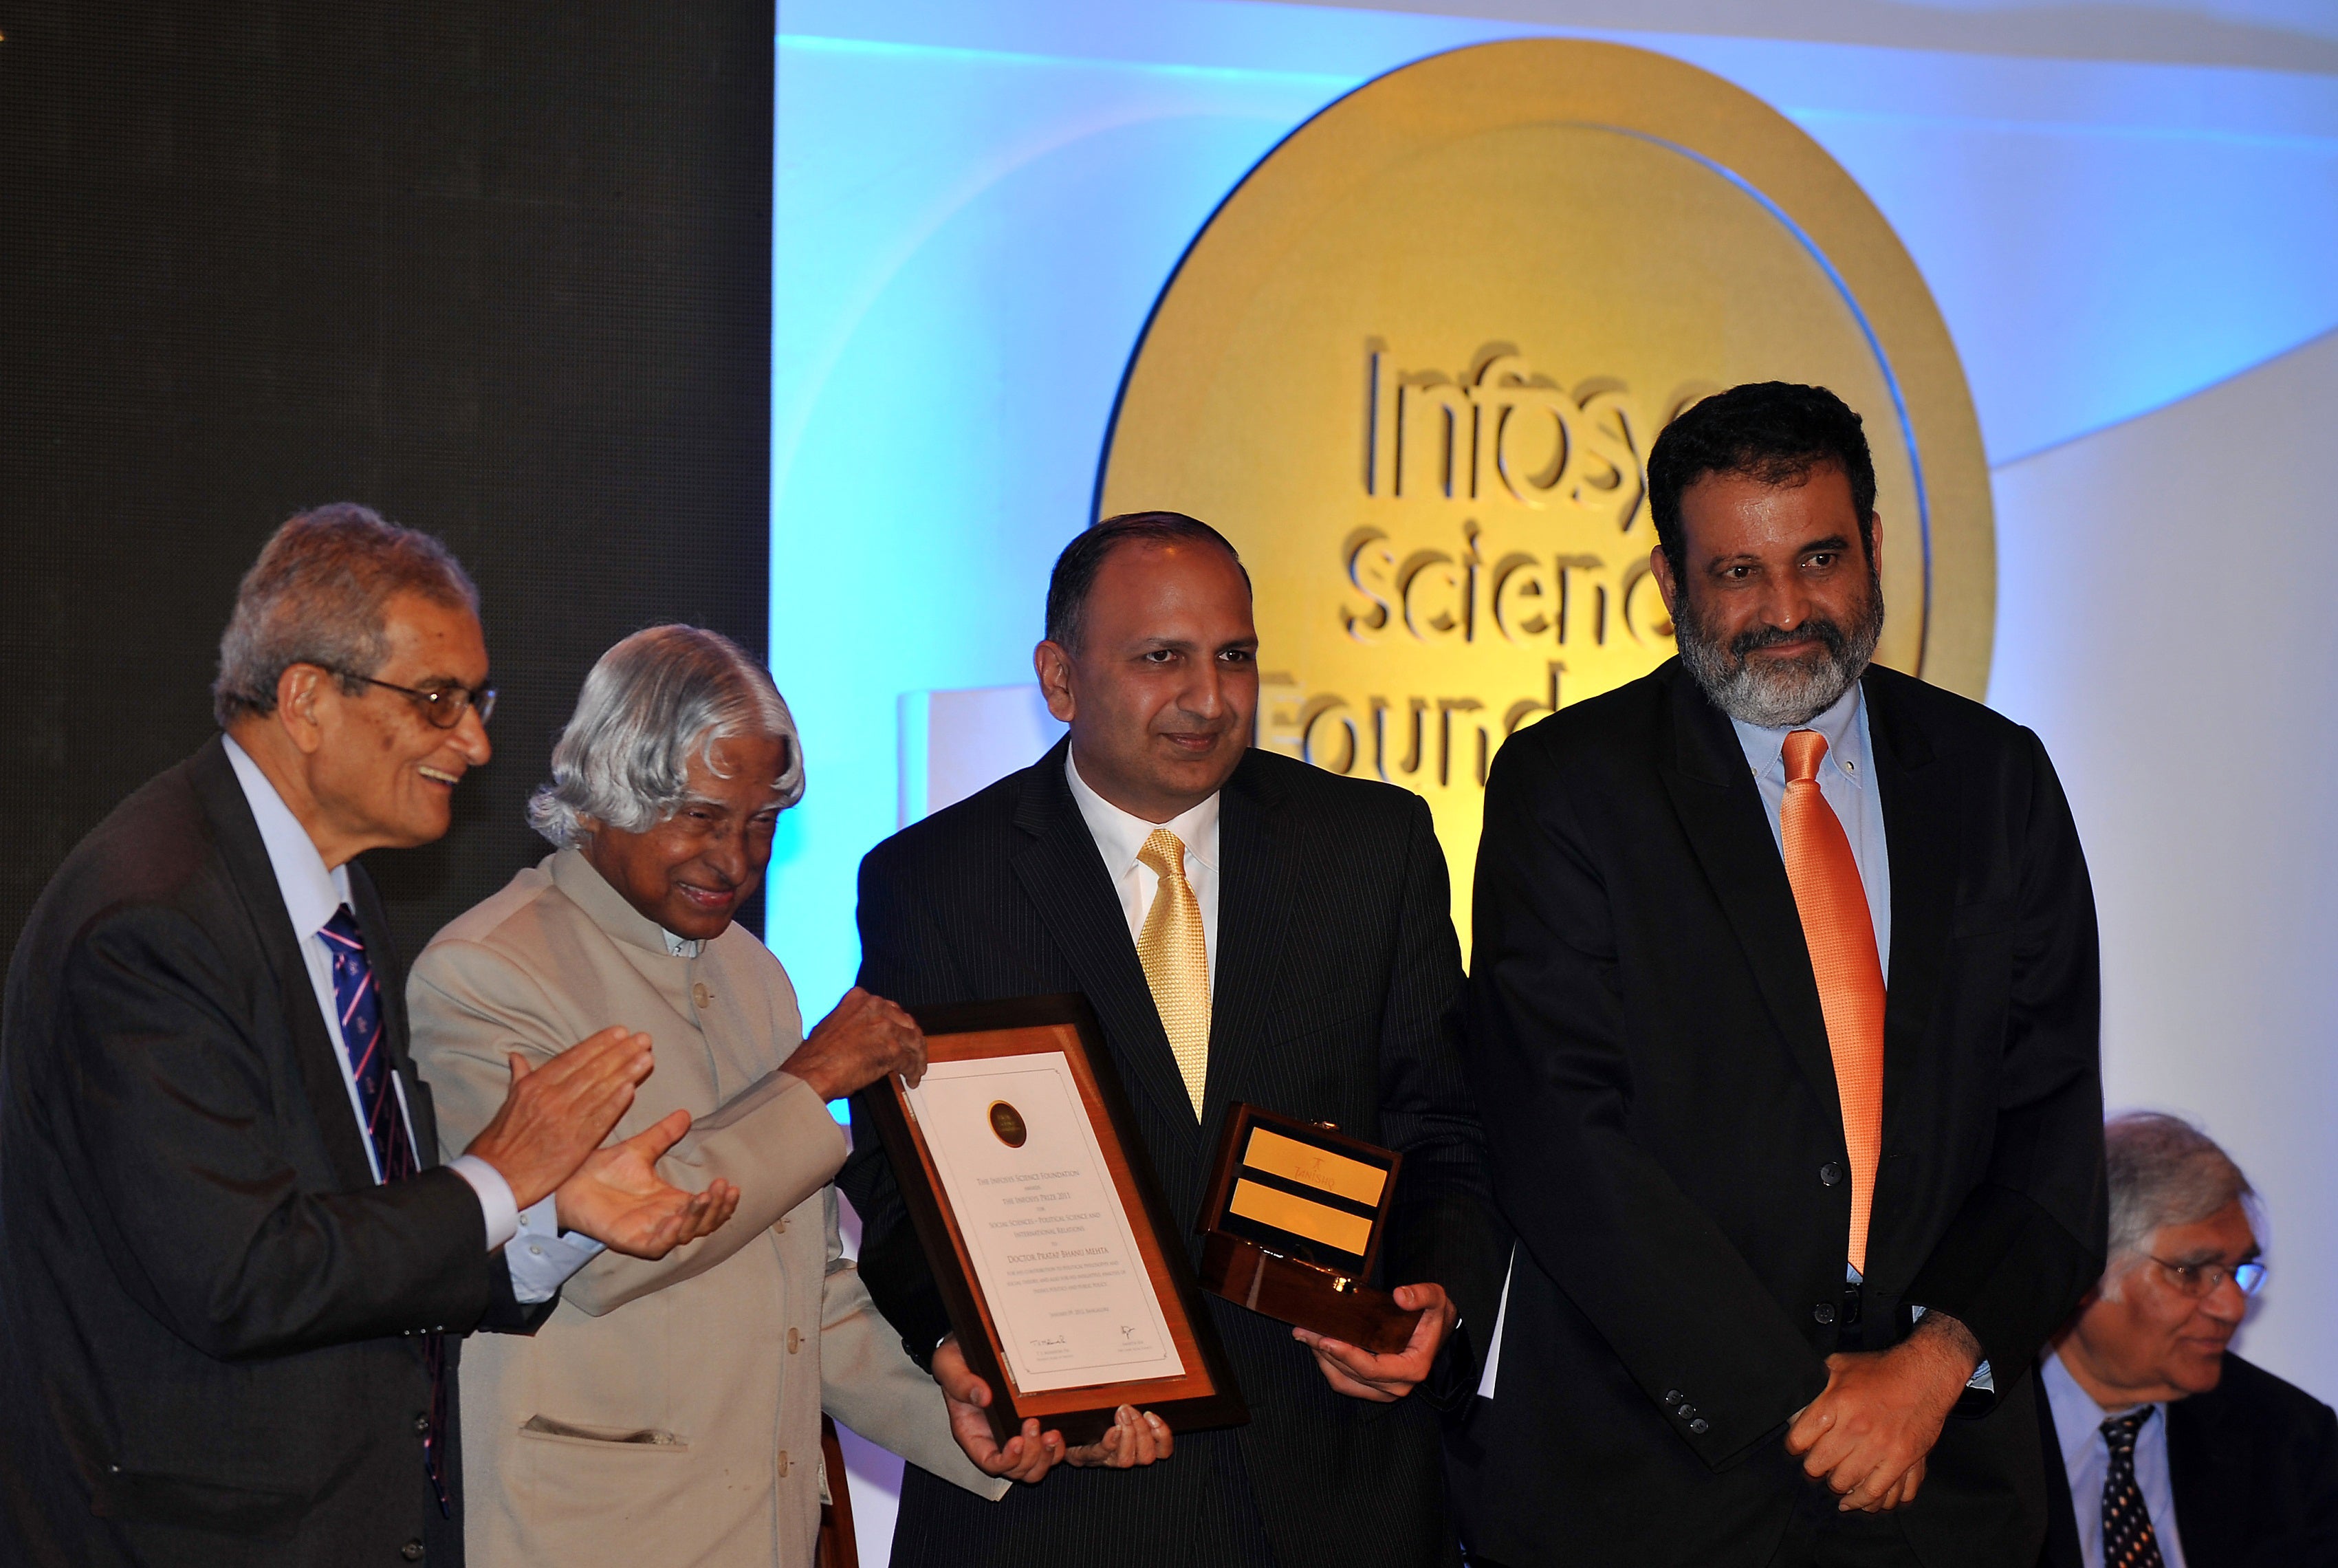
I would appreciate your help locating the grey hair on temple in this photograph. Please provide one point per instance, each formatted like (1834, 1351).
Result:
(2164, 1171)
(320, 595)
(652, 703)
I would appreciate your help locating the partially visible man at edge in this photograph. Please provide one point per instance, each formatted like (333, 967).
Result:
(232, 1271)
(1248, 928)
(592, 1441)
(1777, 1221)
(2163, 1448)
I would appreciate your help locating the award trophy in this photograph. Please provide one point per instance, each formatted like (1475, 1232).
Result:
(1292, 1226)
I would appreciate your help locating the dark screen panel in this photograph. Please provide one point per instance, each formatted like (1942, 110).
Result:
(501, 271)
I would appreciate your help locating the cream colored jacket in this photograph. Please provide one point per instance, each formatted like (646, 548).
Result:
(669, 1412)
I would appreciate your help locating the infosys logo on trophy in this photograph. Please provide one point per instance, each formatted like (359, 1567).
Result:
(1539, 542)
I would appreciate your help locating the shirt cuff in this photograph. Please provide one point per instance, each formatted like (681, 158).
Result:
(543, 1256)
(496, 1201)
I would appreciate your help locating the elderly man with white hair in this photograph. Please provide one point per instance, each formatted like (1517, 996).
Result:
(669, 1412)
(2163, 1448)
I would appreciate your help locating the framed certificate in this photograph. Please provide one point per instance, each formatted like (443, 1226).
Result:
(1045, 1228)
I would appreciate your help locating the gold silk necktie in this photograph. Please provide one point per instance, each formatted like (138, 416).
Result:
(1176, 962)
(1841, 933)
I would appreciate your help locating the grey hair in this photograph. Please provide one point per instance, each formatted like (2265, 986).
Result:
(2163, 1172)
(652, 703)
(318, 595)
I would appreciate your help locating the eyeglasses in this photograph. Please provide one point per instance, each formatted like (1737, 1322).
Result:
(443, 705)
(2200, 1278)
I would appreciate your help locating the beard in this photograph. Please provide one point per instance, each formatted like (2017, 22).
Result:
(1780, 694)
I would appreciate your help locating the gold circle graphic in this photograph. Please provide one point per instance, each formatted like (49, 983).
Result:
(1413, 366)
(1007, 1123)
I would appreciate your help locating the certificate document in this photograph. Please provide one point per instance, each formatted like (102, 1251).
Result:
(1043, 1221)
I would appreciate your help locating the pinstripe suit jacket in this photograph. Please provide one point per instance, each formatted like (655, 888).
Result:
(1337, 999)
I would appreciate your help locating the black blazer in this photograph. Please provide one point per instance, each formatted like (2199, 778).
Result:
(2253, 1463)
(1337, 999)
(1646, 1042)
(209, 1311)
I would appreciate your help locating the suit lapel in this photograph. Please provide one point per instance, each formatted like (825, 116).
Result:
(2210, 1476)
(1059, 868)
(1256, 888)
(245, 858)
(389, 977)
(1720, 809)
(1919, 821)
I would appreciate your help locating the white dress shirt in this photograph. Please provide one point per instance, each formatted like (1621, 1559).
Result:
(311, 895)
(2086, 1456)
(1119, 836)
(1847, 781)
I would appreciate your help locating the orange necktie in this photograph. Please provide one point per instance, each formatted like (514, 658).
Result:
(1841, 933)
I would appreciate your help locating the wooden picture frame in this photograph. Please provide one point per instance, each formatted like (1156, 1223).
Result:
(1205, 1394)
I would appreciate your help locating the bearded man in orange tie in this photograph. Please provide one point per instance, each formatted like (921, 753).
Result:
(1784, 1025)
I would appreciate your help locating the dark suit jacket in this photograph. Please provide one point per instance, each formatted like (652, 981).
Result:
(1647, 1044)
(2254, 1467)
(1337, 999)
(209, 1311)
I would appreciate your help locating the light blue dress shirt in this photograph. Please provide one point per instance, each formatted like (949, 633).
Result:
(2086, 1457)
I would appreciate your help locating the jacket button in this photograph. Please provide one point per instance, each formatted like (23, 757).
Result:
(784, 1463)
(422, 1425)
(794, 1339)
(1824, 1312)
(701, 995)
(411, 1552)
(1831, 1173)
(1700, 1426)
(1672, 1396)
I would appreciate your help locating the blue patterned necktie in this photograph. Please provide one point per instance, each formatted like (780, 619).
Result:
(359, 1001)
(2129, 1540)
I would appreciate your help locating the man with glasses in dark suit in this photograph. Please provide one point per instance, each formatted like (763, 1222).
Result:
(2163, 1448)
(232, 1269)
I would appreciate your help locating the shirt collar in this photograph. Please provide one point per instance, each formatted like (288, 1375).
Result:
(1120, 835)
(2077, 1419)
(1844, 726)
(311, 894)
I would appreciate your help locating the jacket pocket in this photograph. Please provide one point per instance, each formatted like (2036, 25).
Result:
(255, 1511)
(652, 1437)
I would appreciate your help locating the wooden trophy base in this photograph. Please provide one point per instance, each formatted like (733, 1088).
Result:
(1304, 1294)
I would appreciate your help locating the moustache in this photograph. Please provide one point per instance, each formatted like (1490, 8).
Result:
(1817, 627)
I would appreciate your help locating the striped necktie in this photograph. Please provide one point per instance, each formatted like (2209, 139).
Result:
(1840, 931)
(368, 1047)
(2128, 1539)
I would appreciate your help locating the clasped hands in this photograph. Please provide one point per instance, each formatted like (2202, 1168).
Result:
(545, 1139)
(1867, 1433)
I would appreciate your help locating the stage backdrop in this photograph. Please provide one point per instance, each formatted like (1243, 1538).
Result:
(979, 201)
(501, 271)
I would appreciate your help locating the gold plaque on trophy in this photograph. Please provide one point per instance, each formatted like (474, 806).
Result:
(1414, 365)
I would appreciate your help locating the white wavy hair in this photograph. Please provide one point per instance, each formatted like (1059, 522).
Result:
(652, 703)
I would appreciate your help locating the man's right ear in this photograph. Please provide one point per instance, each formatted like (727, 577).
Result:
(1052, 665)
(1661, 565)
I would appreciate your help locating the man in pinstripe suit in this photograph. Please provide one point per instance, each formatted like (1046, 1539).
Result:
(1247, 927)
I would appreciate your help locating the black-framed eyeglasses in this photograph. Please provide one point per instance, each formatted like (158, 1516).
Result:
(443, 705)
(2200, 1278)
